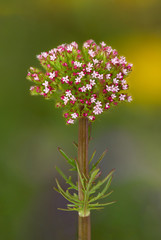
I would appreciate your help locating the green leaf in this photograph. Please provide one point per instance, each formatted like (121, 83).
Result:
(80, 177)
(100, 183)
(68, 180)
(100, 194)
(99, 160)
(92, 156)
(71, 161)
(66, 195)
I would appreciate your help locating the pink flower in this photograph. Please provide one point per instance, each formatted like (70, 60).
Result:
(53, 57)
(95, 61)
(91, 53)
(122, 97)
(94, 74)
(70, 121)
(51, 75)
(92, 82)
(129, 98)
(108, 66)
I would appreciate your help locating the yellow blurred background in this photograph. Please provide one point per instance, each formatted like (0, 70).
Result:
(32, 129)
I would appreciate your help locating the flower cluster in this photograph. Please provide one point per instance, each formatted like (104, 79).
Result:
(84, 82)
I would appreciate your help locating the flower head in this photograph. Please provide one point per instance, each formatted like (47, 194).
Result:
(84, 82)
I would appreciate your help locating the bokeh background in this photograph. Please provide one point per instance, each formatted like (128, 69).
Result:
(31, 128)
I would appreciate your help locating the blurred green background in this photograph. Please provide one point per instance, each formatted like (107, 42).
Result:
(31, 128)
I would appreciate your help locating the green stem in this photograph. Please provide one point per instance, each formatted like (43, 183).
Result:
(84, 226)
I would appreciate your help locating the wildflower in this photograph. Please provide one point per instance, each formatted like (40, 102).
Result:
(83, 89)
(94, 74)
(92, 82)
(108, 76)
(65, 79)
(95, 61)
(51, 75)
(115, 80)
(70, 121)
(91, 53)
(129, 98)
(108, 66)
(122, 97)
(78, 80)
(74, 115)
(84, 82)
(88, 86)
(53, 57)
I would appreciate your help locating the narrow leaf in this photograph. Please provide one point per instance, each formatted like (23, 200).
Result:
(99, 160)
(92, 156)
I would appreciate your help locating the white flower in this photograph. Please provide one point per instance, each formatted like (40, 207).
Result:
(36, 78)
(65, 79)
(53, 57)
(129, 98)
(119, 75)
(116, 89)
(78, 79)
(74, 115)
(70, 121)
(114, 60)
(93, 99)
(113, 96)
(108, 66)
(90, 117)
(83, 89)
(51, 75)
(88, 69)
(44, 54)
(90, 65)
(32, 88)
(97, 110)
(125, 87)
(92, 82)
(113, 88)
(95, 61)
(108, 76)
(122, 60)
(94, 74)
(69, 48)
(74, 44)
(115, 80)
(45, 84)
(107, 105)
(68, 93)
(78, 64)
(65, 99)
(98, 104)
(103, 44)
(123, 81)
(124, 70)
(81, 74)
(100, 76)
(88, 86)
(46, 90)
(91, 52)
(109, 50)
(51, 51)
(73, 98)
(122, 97)
(86, 45)
(108, 88)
